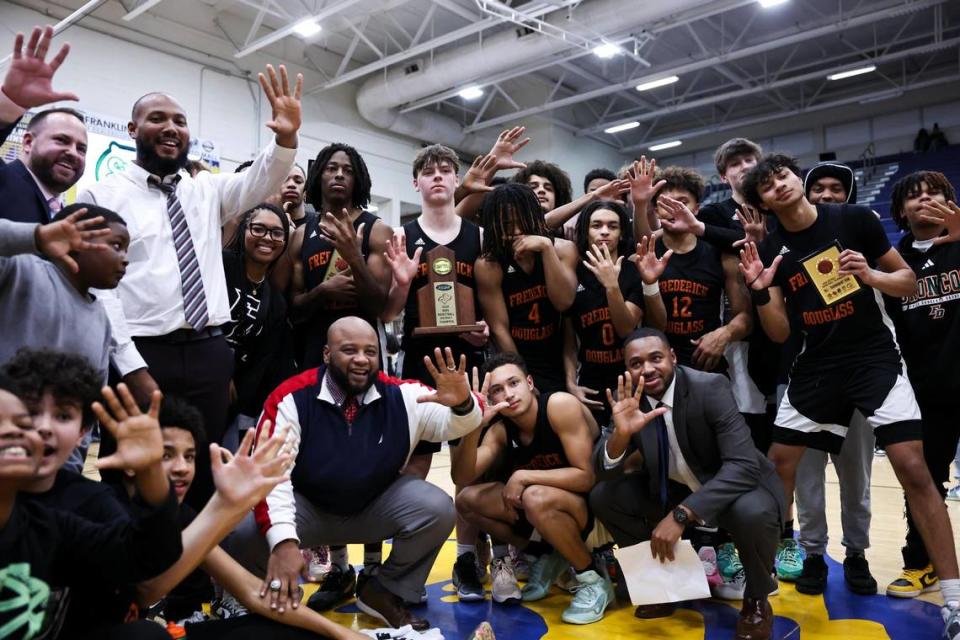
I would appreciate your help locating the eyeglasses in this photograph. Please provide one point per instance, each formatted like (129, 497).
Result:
(261, 231)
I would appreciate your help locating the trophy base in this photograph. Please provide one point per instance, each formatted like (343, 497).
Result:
(453, 329)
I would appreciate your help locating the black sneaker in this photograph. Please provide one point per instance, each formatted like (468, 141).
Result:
(856, 573)
(466, 578)
(813, 580)
(338, 585)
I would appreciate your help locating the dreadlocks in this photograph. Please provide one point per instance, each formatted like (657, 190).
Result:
(562, 190)
(361, 177)
(509, 208)
(909, 187)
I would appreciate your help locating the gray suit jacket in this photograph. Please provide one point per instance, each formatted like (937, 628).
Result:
(716, 444)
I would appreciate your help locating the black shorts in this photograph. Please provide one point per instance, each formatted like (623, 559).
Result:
(817, 408)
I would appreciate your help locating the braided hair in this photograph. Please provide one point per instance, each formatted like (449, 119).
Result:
(507, 207)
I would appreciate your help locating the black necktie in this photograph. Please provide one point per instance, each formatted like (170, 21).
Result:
(663, 455)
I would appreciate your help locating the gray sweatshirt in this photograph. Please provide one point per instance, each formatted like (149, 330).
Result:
(39, 307)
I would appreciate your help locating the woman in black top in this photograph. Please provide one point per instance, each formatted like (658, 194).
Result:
(258, 330)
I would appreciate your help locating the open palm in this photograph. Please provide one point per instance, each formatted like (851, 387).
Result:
(29, 80)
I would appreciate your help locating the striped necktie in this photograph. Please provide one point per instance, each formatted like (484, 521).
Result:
(191, 284)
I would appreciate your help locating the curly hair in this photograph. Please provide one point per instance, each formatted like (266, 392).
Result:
(562, 189)
(762, 171)
(680, 179)
(236, 244)
(624, 245)
(177, 412)
(361, 176)
(909, 187)
(506, 207)
(68, 377)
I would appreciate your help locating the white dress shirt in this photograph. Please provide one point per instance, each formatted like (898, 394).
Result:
(149, 300)
(679, 469)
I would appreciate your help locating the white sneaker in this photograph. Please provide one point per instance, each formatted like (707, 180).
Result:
(731, 588)
(228, 607)
(504, 588)
(951, 620)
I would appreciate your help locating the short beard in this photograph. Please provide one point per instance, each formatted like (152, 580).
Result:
(44, 172)
(148, 158)
(343, 381)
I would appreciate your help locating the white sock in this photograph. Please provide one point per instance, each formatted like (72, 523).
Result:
(339, 558)
(500, 551)
(950, 590)
(465, 548)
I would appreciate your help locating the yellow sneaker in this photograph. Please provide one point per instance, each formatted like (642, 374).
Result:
(913, 582)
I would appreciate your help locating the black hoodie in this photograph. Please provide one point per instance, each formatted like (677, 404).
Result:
(841, 172)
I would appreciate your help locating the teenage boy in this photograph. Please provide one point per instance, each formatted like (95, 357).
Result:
(833, 183)
(51, 552)
(823, 270)
(928, 323)
(545, 442)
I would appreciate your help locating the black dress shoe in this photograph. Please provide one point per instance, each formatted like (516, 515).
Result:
(375, 600)
(337, 586)
(856, 573)
(755, 621)
(813, 580)
(659, 610)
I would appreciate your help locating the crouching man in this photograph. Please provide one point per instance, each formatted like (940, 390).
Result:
(699, 466)
(353, 429)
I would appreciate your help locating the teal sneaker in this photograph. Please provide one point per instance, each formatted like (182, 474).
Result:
(544, 571)
(789, 560)
(594, 593)
(728, 562)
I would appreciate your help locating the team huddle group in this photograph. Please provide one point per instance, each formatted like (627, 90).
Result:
(642, 368)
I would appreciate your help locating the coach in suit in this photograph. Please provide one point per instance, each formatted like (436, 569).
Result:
(699, 466)
(54, 149)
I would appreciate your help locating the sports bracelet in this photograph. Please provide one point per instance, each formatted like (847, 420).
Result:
(651, 289)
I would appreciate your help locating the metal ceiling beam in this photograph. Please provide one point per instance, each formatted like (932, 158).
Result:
(776, 42)
(285, 31)
(144, 6)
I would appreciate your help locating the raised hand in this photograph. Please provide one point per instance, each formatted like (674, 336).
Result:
(340, 232)
(139, 441)
(286, 118)
(640, 177)
(612, 190)
(403, 266)
(449, 379)
(677, 217)
(243, 480)
(57, 239)
(490, 410)
(751, 267)
(506, 145)
(754, 228)
(627, 417)
(648, 264)
(477, 177)
(29, 80)
(947, 215)
(602, 265)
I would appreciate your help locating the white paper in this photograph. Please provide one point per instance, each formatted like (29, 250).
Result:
(651, 582)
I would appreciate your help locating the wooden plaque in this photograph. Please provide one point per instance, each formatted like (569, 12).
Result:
(445, 305)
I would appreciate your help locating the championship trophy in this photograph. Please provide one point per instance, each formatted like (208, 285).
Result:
(445, 305)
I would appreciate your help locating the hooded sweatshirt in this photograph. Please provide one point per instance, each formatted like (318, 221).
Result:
(841, 172)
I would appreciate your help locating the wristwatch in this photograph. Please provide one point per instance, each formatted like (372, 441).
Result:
(680, 516)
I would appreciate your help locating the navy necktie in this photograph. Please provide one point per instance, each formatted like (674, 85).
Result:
(663, 455)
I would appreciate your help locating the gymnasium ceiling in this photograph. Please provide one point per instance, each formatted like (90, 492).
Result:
(738, 63)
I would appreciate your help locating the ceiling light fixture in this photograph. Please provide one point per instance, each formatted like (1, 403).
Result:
(607, 50)
(653, 84)
(307, 28)
(626, 126)
(665, 145)
(471, 93)
(853, 72)
(766, 4)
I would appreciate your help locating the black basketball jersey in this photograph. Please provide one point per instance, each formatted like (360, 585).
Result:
(545, 450)
(535, 324)
(466, 250)
(321, 261)
(692, 290)
(600, 350)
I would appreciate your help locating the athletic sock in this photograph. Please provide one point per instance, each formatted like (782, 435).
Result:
(465, 548)
(950, 590)
(500, 551)
(338, 557)
(372, 554)
(787, 533)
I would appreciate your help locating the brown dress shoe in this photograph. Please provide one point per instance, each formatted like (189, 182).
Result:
(375, 600)
(660, 610)
(755, 621)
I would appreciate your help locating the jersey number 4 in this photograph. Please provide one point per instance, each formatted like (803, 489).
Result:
(534, 315)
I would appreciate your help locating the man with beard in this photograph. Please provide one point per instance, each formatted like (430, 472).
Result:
(54, 146)
(372, 422)
(174, 297)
